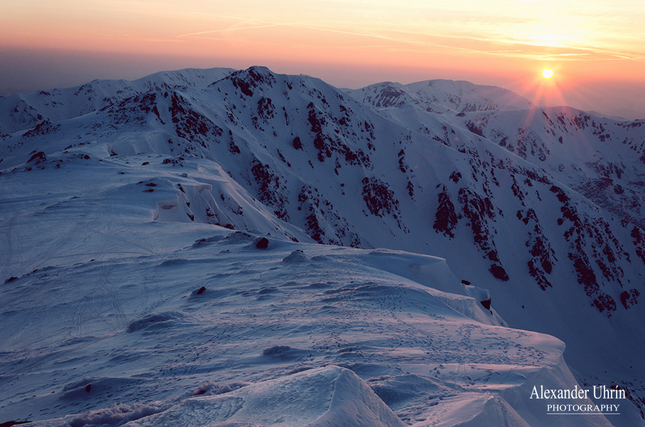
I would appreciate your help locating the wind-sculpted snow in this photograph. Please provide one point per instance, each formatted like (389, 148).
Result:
(317, 397)
(255, 344)
(542, 208)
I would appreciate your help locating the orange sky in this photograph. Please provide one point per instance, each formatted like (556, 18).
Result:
(347, 43)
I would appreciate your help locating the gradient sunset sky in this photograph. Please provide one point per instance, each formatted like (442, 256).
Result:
(595, 47)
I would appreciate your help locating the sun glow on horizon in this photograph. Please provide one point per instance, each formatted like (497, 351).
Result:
(546, 90)
(351, 43)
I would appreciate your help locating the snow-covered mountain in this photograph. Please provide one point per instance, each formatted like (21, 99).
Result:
(120, 200)
(441, 96)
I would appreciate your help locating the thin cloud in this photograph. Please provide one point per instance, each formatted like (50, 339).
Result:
(222, 30)
(420, 39)
(448, 3)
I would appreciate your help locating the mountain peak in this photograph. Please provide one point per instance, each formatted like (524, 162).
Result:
(256, 73)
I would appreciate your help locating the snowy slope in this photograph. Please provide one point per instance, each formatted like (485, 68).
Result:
(441, 96)
(119, 320)
(189, 324)
(600, 158)
(162, 162)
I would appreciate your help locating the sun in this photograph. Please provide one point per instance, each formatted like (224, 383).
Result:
(547, 73)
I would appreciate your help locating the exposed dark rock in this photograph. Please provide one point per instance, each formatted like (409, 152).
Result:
(379, 199)
(251, 78)
(543, 255)
(403, 167)
(262, 243)
(265, 108)
(479, 210)
(499, 272)
(477, 130)
(232, 148)
(455, 177)
(271, 189)
(13, 423)
(445, 217)
(174, 162)
(586, 275)
(327, 141)
(244, 86)
(323, 223)
(517, 191)
(43, 128)
(629, 298)
(604, 302)
(538, 274)
(191, 124)
(639, 242)
(410, 188)
(39, 157)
